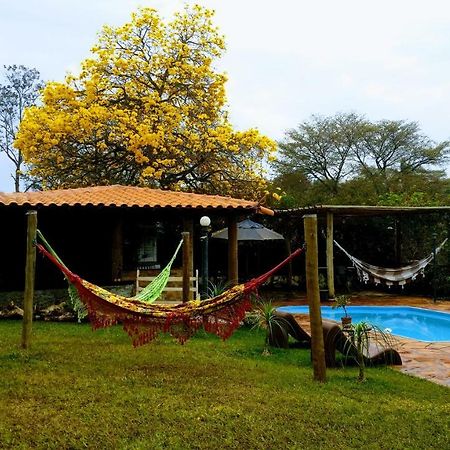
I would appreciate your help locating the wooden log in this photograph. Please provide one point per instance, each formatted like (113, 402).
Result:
(187, 264)
(30, 270)
(233, 275)
(330, 255)
(312, 292)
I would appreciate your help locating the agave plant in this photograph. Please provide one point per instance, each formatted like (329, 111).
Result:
(264, 316)
(361, 336)
(215, 289)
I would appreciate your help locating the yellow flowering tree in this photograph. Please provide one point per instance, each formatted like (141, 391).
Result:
(147, 109)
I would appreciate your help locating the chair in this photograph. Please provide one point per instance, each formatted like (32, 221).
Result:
(336, 339)
(285, 326)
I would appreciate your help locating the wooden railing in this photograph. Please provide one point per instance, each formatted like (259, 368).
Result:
(175, 284)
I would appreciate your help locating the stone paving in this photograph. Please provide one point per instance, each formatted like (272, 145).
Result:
(426, 360)
(422, 359)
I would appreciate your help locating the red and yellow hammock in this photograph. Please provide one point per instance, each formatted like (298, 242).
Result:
(220, 315)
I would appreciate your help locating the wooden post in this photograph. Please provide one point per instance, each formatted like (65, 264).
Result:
(187, 264)
(30, 268)
(398, 241)
(188, 225)
(312, 292)
(117, 251)
(232, 251)
(330, 256)
(448, 236)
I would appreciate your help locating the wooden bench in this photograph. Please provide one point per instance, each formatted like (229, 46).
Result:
(174, 285)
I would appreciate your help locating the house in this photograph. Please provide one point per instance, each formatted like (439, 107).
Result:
(104, 233)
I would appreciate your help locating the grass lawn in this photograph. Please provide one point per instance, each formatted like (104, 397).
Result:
(76, 388)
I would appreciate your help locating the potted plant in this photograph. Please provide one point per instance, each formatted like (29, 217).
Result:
(342, 301)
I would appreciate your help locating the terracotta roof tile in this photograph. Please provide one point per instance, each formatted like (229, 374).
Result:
(125, 196)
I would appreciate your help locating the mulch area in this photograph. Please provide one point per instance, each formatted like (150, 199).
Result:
(422, 359)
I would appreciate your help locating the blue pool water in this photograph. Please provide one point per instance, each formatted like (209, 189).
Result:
(417, 323)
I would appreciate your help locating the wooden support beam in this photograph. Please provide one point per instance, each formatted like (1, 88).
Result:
(312, 292)
(188, 226)
(330, 255)
(448, 236)
(398, 241)
(187, 264)
(30, 271)
(233, 275)
(117, 251)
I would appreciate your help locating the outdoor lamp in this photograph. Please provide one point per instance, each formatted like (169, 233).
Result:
(205, 222)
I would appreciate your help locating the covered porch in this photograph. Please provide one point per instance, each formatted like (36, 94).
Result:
(105, 233)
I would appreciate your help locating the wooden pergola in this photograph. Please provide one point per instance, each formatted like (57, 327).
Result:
(329, 212)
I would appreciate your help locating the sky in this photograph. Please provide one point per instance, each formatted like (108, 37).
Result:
(285, 59)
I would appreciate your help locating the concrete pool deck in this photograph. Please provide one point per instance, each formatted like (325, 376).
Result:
(422, 359)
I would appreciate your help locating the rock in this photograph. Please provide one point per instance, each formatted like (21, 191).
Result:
(11, 311)
(57, 313)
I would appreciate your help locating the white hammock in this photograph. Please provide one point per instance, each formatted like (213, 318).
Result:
(390, 276)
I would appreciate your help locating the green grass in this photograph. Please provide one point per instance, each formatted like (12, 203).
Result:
(81, 389)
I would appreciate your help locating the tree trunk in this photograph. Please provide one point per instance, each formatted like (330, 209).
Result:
(17, 180)
(362, 371)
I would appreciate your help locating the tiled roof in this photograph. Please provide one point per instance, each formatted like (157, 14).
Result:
(126, 196)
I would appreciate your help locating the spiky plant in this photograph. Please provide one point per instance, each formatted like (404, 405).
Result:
(264, 316)
(361, 335)
(215, 289)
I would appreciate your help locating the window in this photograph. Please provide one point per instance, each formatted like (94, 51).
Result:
(147, 255)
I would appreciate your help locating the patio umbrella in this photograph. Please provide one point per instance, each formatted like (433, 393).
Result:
(247, 230)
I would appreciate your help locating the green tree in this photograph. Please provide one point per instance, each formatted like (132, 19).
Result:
(389, 147)
(19, 89)
(349, 160)
(321, 149)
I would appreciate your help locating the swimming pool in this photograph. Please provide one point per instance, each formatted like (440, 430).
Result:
(417, 323)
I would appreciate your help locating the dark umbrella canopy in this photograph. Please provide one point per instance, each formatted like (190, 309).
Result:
(247, 230)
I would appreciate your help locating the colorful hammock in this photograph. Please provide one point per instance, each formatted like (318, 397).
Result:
(148, 295)
(142, 321)
(386, 275)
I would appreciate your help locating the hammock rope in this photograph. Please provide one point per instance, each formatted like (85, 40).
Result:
(387, 275)
(143, 321)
